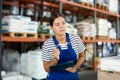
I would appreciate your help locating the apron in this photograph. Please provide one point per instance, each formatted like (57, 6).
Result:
(66, 55)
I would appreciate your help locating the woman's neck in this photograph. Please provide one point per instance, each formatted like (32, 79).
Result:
(61, 39)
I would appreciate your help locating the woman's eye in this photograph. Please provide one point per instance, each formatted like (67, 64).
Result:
(57, 24)
(63, 23)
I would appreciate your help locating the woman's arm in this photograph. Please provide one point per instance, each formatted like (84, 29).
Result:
(47, 64)
(80, 60)
(53, 62)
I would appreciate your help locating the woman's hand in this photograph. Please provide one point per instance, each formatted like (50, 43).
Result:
(71, 69)
(56, 53)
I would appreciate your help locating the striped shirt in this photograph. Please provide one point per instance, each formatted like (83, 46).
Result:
(49, 45)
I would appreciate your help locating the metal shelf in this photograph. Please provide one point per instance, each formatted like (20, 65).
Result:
(9, 39)
(94, 41)
(89, 8)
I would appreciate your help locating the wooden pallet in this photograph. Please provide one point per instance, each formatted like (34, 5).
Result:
(31, 35)
(19, 35)
(113, 12)
(86, 4)
(112, 39)
(87, 37)
(44, 36)
(102, 7)
(103, 37)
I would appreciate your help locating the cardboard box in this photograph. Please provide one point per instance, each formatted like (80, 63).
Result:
(106, 75)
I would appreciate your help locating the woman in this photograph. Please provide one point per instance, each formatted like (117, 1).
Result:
(62, 48)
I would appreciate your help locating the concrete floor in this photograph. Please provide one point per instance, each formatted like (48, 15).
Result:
(88, 75)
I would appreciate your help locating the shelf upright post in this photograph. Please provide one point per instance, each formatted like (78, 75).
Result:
(41, 12)
(20, 4)
(60, 7)
(35, 12)
(94, 44)
(0, 38)
(118, 33)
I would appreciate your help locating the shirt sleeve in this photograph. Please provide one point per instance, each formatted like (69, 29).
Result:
(81, 46)
(46, 55)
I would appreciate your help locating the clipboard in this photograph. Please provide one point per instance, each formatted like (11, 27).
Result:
(61, 67)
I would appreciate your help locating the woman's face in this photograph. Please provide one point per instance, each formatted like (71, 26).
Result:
(59, 26)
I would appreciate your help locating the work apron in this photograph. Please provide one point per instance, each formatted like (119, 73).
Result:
(66, 55)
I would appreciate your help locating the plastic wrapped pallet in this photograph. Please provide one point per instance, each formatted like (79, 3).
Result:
(87, 1)
(30, 27)
(24, 65)
(86, 29)
(105, 64)
(102, 27)
(112, 33)
(33, 64)
(11, 60)
(37, 69)
(14, 23)
(112, 5)
(15, 76)
(71, 29)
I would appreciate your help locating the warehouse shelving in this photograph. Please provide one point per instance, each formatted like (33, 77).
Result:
(87, 7)
(53, 5)
(66, 5)
(9, 39)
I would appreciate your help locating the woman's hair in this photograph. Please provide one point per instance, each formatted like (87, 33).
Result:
(53, 17)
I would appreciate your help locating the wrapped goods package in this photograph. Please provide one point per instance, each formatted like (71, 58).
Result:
(102, 27)
(36, 69)
(110, 64)
(112, 5)
(11, 60)
(93, 30)
(24, 65)
(71, 29)
(15, 76)
(87, 1)
(14, 23)
(86, 29)
(89, 51)
(112, 33)
(91, 1)
(100, 2)
(30, 27)
(11, 24)
(83, 28)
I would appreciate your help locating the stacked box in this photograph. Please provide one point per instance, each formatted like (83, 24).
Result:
(110, 64)
(104, 75)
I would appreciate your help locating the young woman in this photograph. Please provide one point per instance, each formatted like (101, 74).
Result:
(60, 49)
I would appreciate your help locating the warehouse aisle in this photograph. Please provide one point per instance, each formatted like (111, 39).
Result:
(88, 75)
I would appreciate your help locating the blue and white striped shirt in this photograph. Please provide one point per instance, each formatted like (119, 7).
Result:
(49, 45)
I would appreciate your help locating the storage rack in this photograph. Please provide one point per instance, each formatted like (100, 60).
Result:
(0, 38)
(61, 7)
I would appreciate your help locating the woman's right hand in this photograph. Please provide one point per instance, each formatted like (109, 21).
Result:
(56, 53)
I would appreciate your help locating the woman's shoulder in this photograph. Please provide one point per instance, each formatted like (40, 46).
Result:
(48, 41)
(73, 36)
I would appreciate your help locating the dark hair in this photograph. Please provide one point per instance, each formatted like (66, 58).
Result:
(53, 17)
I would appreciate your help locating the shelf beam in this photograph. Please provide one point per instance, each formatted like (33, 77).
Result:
(9, 39)
(1, 46)
(89, 8)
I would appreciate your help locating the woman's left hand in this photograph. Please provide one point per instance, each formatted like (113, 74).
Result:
(71, 69)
